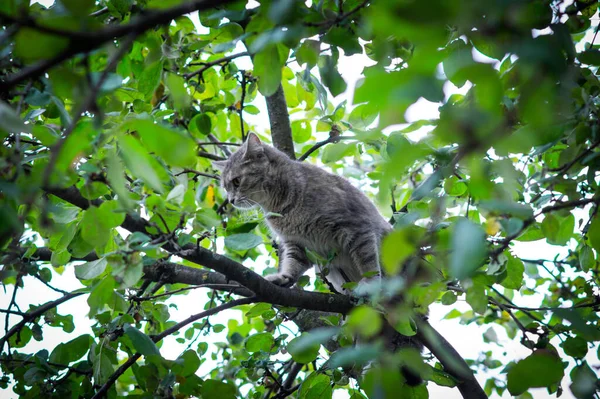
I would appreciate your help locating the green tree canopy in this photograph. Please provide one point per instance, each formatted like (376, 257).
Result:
(111, 112)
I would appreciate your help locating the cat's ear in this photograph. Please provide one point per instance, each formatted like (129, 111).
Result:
(253, 145)
(219, 165)
(253, 142)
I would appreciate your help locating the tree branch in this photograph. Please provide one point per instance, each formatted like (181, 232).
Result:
(330, 139)
(87, 41)
(452, 361)
(208, 65)
(281, 130)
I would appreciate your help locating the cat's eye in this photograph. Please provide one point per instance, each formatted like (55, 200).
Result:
(236, 182)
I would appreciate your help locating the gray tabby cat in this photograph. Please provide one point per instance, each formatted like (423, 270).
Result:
(308, 208)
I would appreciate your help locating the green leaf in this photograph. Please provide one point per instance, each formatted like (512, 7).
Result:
(477, 298)
(593, 233)
(541, 369)
(448, 298)
(267, 66)
(585, 381)
(314, 379)
(138, 161)
(213, 389)
(102, 367)
(521, 211)
(116, 179)
(242, 242)
(176, 148)
(575, 347)
(330, 75)
(468, 249)
(308, 52)
(179, 95)
(97, 222)
(60, 258)
(71, 351)
(320, 390)
(455, 187)
(301, 131)
(395, 249)
(187, 363)
(514, 273)
(258, 309)
(101, 295)
(201, 123)
(90, 270)
(441, 378)
(260, 342)
(141, 342)
(303, 349)
(558, 231)
(150, 78)
(362, 116)
(33, 45)
(10, 122)
(590, 57)
(365, 321)
(353, 356)
(335, 152)
(587, 260)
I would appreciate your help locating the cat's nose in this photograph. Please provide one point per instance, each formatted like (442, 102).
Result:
(232, 201)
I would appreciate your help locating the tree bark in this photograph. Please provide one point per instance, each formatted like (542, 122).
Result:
(281, 130)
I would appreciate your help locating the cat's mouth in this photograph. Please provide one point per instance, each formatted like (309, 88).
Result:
(244, 203)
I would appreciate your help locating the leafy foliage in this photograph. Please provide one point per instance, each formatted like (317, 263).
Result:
(112, 112)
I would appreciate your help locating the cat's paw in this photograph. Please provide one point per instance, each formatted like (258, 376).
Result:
(281, 279)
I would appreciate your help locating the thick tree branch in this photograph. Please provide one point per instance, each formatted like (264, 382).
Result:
(281, 130)
(87, 41)
(452, 361)
(230, 268)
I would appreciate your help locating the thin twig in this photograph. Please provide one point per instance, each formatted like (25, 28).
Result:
(12, 312)
(218, 143)
(208, 155)
(208, 65)
(564, 168)
(37, 276)
(197, 173)
(328, 23)
(221, 287)
(241, 109)
(330, 139)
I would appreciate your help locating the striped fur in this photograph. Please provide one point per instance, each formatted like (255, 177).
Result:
(307, 207)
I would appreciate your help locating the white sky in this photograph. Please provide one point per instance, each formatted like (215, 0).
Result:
(466, 339)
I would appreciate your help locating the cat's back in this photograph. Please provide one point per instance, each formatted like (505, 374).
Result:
(326, 192)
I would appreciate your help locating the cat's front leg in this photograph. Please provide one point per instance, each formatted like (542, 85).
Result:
(293, 262)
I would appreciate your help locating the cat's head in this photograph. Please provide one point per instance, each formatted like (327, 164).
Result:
(243, 174)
